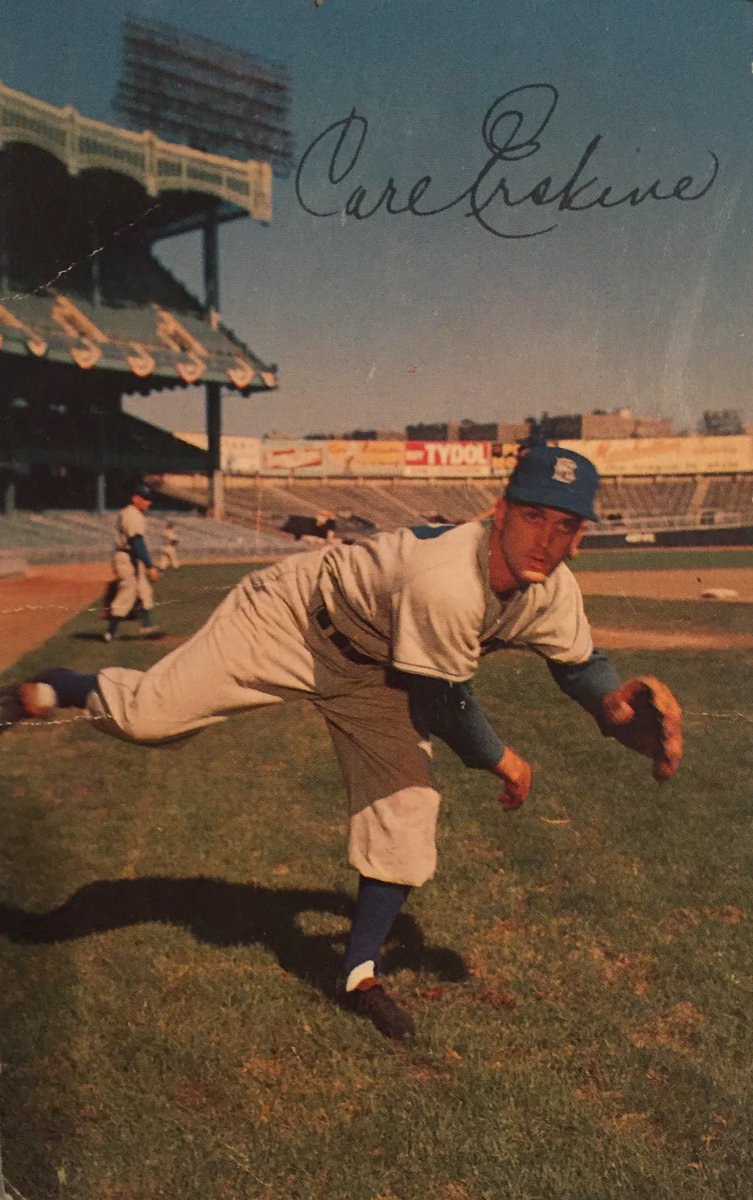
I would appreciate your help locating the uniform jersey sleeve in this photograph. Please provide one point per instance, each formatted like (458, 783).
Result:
(451, 712)
(588, 682)
(133, 528)
(139, 551)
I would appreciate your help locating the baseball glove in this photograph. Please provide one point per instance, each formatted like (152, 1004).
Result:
(153, 574)
(644, 716)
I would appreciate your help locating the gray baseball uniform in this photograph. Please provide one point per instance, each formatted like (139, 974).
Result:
(329, 626)
(133, 581)
(168, 555)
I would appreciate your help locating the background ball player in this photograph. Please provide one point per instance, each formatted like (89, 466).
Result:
(383, 638)
(133, 569)
(168, 555)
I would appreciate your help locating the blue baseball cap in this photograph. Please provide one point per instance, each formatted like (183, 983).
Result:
(144, 491)
(557, 478)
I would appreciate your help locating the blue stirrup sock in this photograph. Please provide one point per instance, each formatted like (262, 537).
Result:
(70, 687)
(377, 907)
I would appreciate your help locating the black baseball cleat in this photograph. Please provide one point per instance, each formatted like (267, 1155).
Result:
(370, 1000)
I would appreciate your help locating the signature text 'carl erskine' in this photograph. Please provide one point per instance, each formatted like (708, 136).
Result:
(511, 131)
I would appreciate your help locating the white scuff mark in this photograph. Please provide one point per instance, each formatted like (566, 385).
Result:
(92, 254)
(372, 372)
(687, 317)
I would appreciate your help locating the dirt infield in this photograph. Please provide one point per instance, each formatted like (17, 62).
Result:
(34, 606)
(676, 584)
(679, 584)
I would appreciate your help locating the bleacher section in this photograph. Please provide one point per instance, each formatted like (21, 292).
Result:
(257, 508)
(65, 536)
(645, 497)
(633, 510)
(389, 503)
(730, 494)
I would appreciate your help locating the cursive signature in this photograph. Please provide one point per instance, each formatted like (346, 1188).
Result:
(511, 132)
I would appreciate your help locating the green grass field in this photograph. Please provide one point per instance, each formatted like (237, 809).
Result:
(663, 559)
(581, 971)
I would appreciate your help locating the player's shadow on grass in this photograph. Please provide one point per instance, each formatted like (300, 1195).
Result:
(230, 914)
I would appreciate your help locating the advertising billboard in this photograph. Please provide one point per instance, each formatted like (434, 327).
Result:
(357, 458)
(668, 456)
(294, 458)
(241, 455)
(447, 460)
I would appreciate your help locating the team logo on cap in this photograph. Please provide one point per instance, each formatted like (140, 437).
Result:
(565, 470)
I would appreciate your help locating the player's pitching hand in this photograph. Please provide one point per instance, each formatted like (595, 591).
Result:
(644, 715)
(518, 778)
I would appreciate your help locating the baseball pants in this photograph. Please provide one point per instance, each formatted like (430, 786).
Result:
(263, 645)
(133, 585)
(168, 557)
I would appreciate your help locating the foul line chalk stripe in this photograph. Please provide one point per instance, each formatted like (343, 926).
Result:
(93, 608)
(47, 722)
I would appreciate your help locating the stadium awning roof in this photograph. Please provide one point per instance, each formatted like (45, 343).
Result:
(82, 144)
(148, 344)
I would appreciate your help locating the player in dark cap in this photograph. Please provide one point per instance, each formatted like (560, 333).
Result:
(384, 637)
(133, 569)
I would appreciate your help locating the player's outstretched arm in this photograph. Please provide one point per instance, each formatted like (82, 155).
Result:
(644, 715)
(641, 713)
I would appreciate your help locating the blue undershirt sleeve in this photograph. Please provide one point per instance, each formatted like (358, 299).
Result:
(588, 682)
(139, 552)
(451, 712)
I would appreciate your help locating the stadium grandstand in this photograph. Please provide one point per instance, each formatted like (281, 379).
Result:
(89, 315)
(70, 536)
(669, 491)
(385, 503)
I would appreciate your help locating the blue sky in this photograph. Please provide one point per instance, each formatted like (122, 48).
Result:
(396, 318)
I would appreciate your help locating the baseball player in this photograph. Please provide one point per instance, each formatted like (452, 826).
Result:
(133, 568)
(168, 555)
(383, 638)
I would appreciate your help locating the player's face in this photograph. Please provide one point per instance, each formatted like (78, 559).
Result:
(531, 541)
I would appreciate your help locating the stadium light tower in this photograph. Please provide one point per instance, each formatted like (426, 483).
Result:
(214, 98)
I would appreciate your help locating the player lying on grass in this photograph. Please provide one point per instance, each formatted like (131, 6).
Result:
(383, 638)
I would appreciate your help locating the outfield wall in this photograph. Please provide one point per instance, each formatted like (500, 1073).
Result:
(619, 458)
